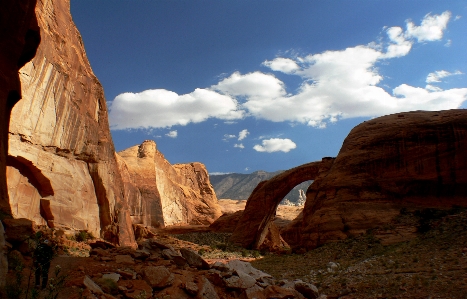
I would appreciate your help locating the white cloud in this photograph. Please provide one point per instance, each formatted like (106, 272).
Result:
(229, 136)
(172, 134)
(240, 145)
(448, 43)
(275, 145)
(219, 173)
(399, 46)
(438, 75)
(343, 84)
(280, 64)
(252, 85)
(160, 108)
(335, 85)
(242, 134)
(431, 28)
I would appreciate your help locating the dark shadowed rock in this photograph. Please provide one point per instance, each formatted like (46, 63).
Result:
(194, 259)
(412, 160)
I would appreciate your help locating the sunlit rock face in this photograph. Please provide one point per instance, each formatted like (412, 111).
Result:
(409, 160)
(162, 194)
(62, 169)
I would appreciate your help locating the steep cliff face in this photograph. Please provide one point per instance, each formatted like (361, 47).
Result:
(62, 167)
(413, 160)
(19, 39)
(161, 194)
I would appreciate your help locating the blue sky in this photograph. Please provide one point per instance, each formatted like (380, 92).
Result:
(267, 85)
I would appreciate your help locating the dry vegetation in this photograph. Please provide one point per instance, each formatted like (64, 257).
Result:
(433, 264)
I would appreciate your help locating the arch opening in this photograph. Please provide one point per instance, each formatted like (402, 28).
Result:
(255, 226)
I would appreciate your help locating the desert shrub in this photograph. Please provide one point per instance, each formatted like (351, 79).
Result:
(83, 236)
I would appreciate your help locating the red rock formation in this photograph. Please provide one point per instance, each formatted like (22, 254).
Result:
(19, 38)
(256, 221)
(161, 194)
(413, 159)
(60, 138)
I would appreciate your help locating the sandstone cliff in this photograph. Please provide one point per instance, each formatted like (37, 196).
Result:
(19, 39)
(161, 194)
(62, 167)
(413, 160)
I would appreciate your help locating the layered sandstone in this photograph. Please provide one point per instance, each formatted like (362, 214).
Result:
(414, 160)
(19, 39)
(62, 166)
(162, 194)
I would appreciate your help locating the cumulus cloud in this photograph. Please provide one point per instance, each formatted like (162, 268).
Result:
(240, 145)
(438, 75)
(280, 64)
(160, 108)
(431, 28)
(252, 85)
(343, 84)
(172, 134)
(398, 45)
(275, 145)
(335, 84)
(242, 135)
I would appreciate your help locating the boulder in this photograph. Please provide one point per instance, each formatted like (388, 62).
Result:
(18, 230)
(308, 290)
(92, 286)
(194, 259)
(240, 280)
(278, 292)
(62, 169)
(124, 259)
(162, 194)
(245, 267)
(135, 289)
(411, 160)
(158, 277)
(254, 292)
(207, 290)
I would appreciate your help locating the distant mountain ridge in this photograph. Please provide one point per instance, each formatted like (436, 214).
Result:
(240, 186)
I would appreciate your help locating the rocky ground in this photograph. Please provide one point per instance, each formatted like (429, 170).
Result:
(432, 265)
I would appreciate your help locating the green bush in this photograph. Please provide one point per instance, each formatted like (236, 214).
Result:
(83, 236)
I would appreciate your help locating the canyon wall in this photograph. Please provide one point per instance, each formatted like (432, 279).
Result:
(62, 170)
(162, 194)
(19, 39)
(410, 160)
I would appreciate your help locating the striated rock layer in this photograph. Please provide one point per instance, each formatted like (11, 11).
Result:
(412, 160)
(19, 39)
(161, 194)
(62, 169)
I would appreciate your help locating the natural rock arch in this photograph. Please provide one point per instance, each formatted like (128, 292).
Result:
(261, 206)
